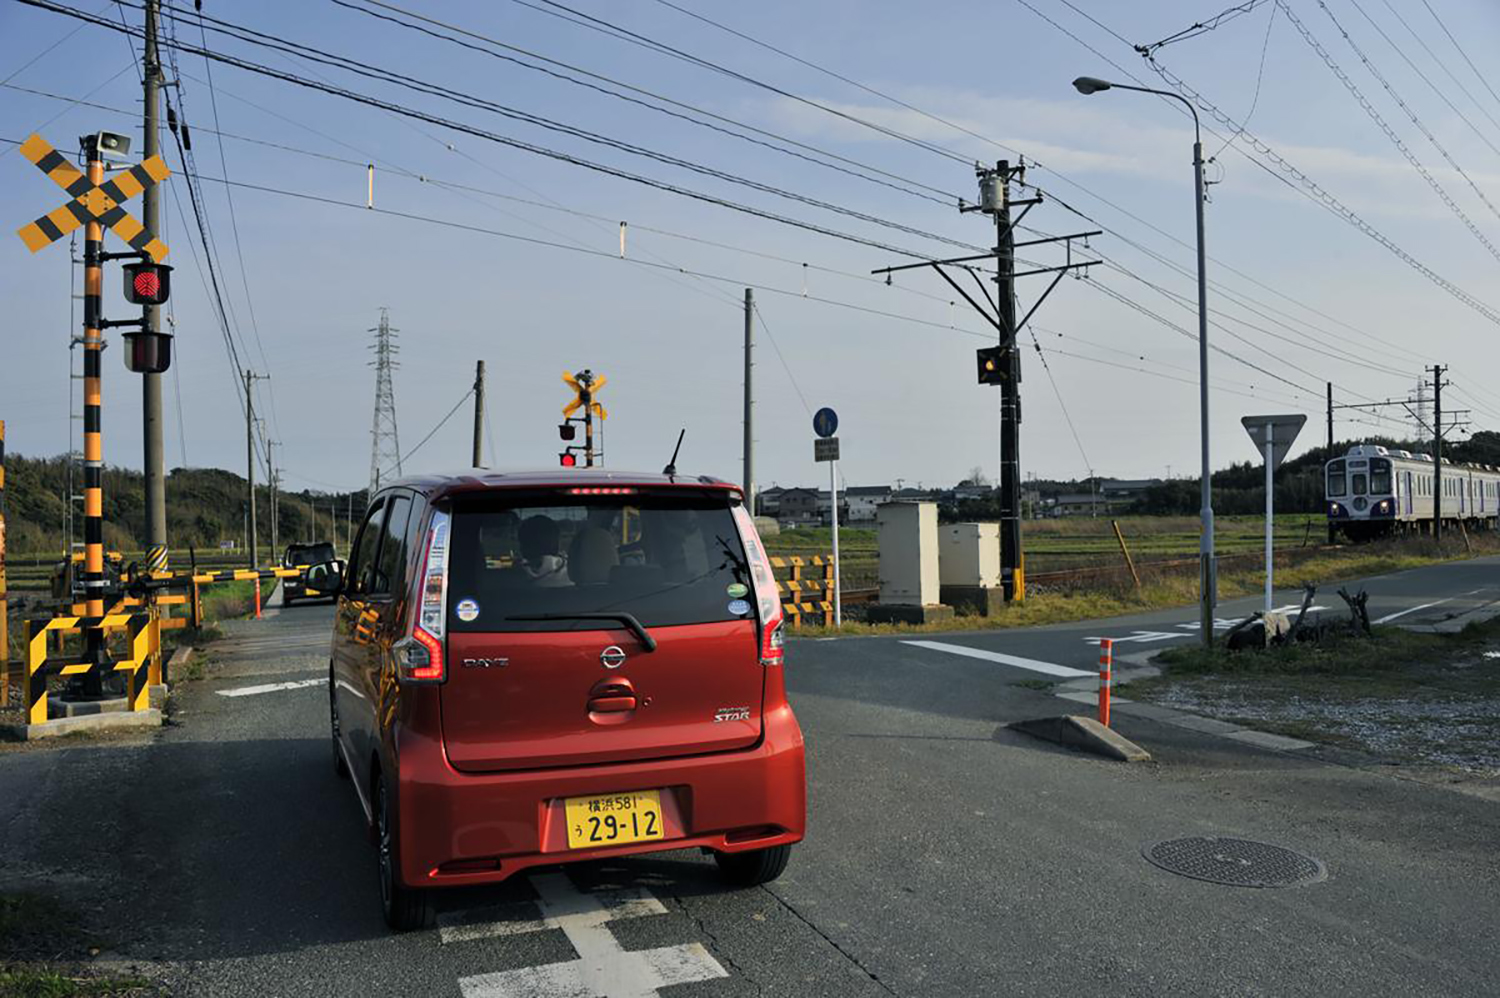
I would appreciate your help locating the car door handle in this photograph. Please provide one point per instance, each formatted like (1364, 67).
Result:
(611, 705)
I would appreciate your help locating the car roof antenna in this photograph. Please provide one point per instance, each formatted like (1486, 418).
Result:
(671, 469)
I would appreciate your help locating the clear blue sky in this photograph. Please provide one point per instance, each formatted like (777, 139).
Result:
(670, 344)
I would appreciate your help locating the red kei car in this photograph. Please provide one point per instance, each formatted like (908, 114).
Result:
(540, 668)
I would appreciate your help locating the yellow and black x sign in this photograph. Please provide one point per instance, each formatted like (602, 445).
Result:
(92, 203)
(590, 386)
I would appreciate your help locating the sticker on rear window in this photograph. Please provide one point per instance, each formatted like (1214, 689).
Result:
(467, 610)
(739, 607)
(736, 590)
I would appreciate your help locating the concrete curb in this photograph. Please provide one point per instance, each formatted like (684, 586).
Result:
(1083, 733)
(83, 723)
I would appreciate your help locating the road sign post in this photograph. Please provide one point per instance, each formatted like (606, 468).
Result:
(1273, 436)
(826, 448)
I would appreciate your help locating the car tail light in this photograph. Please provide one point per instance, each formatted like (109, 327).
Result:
(767, 599)
(420, 656)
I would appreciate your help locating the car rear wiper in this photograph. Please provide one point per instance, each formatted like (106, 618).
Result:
(628, 619)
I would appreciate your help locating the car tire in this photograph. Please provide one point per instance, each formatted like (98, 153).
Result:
(757, 866)
(404, 908)
(340, 767)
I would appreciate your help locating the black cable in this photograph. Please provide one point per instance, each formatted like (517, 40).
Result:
(942, 196)
(401, 461)
(253, 37)
(1460, 49)
(495, 137)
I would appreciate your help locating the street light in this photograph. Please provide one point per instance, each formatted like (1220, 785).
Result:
(1206, 574)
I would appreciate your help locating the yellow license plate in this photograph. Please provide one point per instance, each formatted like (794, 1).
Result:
(614, 819)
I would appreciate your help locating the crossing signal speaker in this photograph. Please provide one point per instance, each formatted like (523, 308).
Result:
(994, 365)
(147, 283)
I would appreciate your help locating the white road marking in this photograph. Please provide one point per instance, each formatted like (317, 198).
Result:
(603, 968)
(1402, 613)
(1142, 637)
(250, 691)
(995, 656)
(491, 922)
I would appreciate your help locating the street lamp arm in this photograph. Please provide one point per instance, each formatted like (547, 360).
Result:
(1192, 108)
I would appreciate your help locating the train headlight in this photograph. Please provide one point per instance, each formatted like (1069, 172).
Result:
(1335, 510)
(1382, 507)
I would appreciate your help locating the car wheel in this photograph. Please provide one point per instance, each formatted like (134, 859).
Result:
(340, 767)
(758, 866)
(404, 909)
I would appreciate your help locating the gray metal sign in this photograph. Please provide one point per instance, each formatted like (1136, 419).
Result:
(1283, 429)
(826, 449)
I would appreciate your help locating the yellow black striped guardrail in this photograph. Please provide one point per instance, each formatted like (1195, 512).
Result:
(143, 638)
(803, 597)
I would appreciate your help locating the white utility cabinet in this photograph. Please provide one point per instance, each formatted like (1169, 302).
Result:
(969, 555)
(908, 536)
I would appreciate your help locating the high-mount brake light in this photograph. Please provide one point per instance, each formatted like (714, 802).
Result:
(767, 599)
(420, 657)
(600, 491)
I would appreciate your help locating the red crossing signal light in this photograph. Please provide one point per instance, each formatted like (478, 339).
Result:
(567, 459)
(147, 283)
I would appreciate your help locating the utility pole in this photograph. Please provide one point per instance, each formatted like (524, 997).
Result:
(151, 418)
(251, 540)
(749, 476)
(478, 413)
(275, 504)
(1332, 530)
(1437, 452)
(1001, 365)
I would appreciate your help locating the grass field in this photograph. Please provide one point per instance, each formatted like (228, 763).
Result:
(1076, 542)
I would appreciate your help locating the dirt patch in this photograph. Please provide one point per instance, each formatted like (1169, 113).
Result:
(1429, 700)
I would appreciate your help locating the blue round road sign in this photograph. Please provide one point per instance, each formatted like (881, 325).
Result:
(825, 422)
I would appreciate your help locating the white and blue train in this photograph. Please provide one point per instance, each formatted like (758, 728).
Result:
(1373, 490)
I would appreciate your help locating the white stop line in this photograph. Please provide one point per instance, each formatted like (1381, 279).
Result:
(250, 691)
(604, 968)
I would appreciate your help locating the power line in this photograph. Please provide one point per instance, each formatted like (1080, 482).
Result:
(1460, 49)
(945, 198)
(433, 432)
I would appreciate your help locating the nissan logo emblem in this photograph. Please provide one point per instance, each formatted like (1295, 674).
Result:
(613, 657)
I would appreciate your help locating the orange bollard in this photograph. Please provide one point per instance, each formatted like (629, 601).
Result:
(257, 599)
(1106, 667)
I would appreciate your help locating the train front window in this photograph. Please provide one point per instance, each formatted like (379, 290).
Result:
(1380, 478)
(1358, 483)
(1337, 484)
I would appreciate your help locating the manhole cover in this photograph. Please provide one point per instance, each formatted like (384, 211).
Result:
(1236, 862)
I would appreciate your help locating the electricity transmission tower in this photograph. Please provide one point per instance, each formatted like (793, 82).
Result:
(385, 445)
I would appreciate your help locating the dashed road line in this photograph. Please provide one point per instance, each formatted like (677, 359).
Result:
(604, 968)
(250, 691)
(1032, 664)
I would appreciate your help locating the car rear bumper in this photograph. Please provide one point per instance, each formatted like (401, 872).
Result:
(466, 828)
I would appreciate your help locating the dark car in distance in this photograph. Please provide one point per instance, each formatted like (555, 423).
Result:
(303, 556)
(549, 667)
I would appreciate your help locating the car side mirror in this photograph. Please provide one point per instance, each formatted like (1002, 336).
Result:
(326, 579)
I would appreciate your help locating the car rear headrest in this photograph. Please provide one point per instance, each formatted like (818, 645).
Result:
(591, 556)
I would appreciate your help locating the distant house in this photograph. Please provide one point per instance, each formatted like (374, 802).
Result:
(768, 501)
(799, 507)
(913, 495)
(1119, 493)
(1078, 504)
(860, 502)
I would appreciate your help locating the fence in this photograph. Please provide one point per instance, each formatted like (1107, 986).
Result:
(806, 591)
(142, 666)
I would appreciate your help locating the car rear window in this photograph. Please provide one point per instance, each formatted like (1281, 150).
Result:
(310, 554)
(669, 557)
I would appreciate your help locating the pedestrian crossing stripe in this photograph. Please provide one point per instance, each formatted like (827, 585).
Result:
(92, 203)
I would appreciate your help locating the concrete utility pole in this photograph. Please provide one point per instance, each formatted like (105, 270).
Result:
(1001, 364)
(1437, 452)
(478, 413)
(749, 476)
(1332, 530)
(151, 418)
(275, 508)
(251, 540)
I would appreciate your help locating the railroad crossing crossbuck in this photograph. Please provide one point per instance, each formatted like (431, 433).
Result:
(92, 202)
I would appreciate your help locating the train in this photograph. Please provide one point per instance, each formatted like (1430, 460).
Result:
(1373, 491)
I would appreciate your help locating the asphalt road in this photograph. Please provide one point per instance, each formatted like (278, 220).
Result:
(946, 854)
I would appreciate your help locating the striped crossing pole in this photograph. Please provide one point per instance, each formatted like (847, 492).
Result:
(1106, 675)
(93, 446)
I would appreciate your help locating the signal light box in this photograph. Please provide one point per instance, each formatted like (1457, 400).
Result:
(147, 283)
